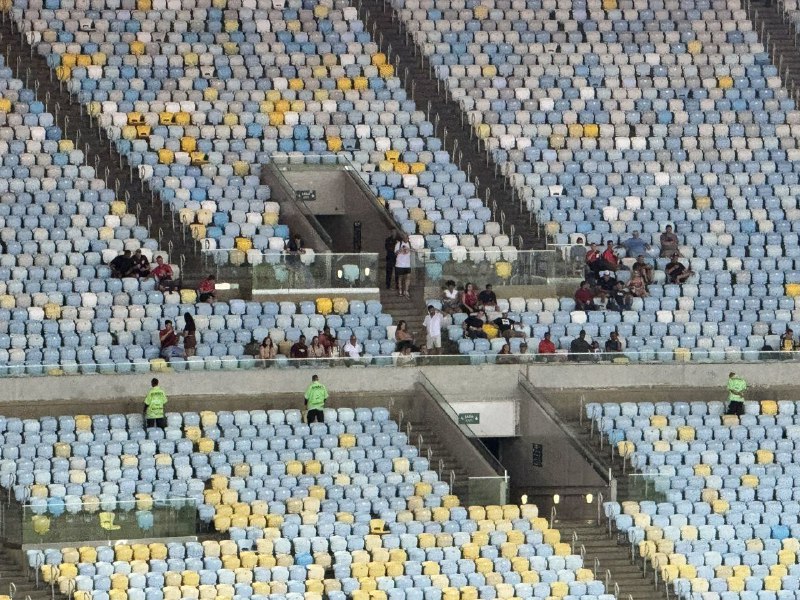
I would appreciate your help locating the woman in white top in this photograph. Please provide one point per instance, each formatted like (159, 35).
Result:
(402, 265)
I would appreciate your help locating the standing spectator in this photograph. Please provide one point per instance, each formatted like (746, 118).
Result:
(169, 342)
(546, 346)
(189, 334)
(404, 338)
(315, 398)
(580, 347)
(634, 245)
(154, 404)
(736, 389)
(163, 275)
(644, 269)
(451, 298)
(584, 298)
(316, 349)
(487, 298)
(141, 265)
(577, 252)
(787, 341)
(675, 271)
(299, 349)
(669, 242)
(433, 330)
(267, 351)
(327, 340)
(613, 343)
(469, 300)
(507, 327)
(122, 265)
(402, 265)
(389, 244)
(207, 290)
(294, 250)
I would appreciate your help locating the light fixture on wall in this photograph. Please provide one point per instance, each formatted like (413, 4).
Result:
(556, 498)
(589, 498)
(339, 274)
(524, 499)
(366, 272)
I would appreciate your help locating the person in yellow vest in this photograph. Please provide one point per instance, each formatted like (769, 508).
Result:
(154, 404)
(315, 398)
(736, 388)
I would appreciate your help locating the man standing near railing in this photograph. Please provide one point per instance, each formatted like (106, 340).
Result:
(736, 389)
(389, 244)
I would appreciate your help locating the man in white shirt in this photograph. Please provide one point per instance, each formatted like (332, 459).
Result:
(433, 327)
(402, 265)
(352, 349)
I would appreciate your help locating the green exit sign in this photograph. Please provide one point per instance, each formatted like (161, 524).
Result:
(469, 418)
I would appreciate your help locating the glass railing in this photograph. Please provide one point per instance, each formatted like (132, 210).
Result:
(55, 521)
(485, 491)
(647, 487)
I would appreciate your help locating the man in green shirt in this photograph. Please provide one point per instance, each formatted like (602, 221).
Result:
(154, 404)
(316, 395)
(736, 389)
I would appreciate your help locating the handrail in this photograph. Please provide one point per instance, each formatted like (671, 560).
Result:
(553, 515)
(608, 578)
(573, 541)
(599, 507)
(596, 566)
(616, 590)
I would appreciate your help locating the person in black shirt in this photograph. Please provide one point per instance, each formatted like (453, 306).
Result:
(620, 299)
(580, 348)
(613, 343)
(388, 244)
(140, 264)
(607, 282)
(506, 327)
(122, 265)
(299, 350)
(487, 297)
(473, 326)
(676, 272)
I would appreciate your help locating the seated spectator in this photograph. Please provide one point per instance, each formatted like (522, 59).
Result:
(504, 357)
(594, 261)
(768, 353)
(469, 300)
(644, 269)
(406, 359)
(584, 298)
(169, 342)
(524, 353)
(316, 349)
(675, 271)
(141, 265)
(508, 327)
(635, 245)
(580, 348)
(669, 242)
(620, 299)
(610, 257)
(613, 343)
(404, 338)
(328, 341)
(637, 287)
(206, 290)
(473, 326)
(788, 343)
(546, 346)
(607, 282)
(267, 351)
(594, 349)
(122, 265)
(487, 298)
(162, 273)
(352, 349)
(451, 298)
(299, 349)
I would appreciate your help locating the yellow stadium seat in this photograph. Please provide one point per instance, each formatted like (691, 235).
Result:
(346, 440)
(52, 311)
(725, 82)
(143, 132)
(198, 231)
(481, 12)
(166, 118)
(764, 457)
(402, 168)
(720, 506)
(324, 306)
(503, 269)
(378, 59)
(425, 227)
(270, 218)
(137, 48)
(489, 71)
(793, 289)
(702, 470)
(183, 119)
(244, 244)
(129, 132)
(188, 144)
(702, 203)
(750, 481)
(166, 156)
(230, 119)
(575, 130)
(686, 433)
(360, 83)
(135, 118)
(683, 354)
(63, 73)
(772, 583)
(609, 4)
(69, 60)
(591, 130)
(334, 144)
(386, 71)
(769, 407)
(230, 48)
(694, 47)
(344, 83)
(5, 105)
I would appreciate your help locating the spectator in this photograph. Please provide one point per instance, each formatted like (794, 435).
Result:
(487, 298)
(594, 348)
(636, 286)
(352, 349)
(189, 334)
(169, 342)
(299, 349)
(315, 397)
(577, 252)
(594, 261)
(328, 341)
(154, 404)
(473, 326)
(389, 244)
(507, 327)
(267, 350)
(644, 269)
(295, 247)
(469, 300)
(504, 357)
(141, 265)
(736, 389)
(402, 265)
(675, 271)
(316, 349)
(163, 275)
(123, 265)
(207, 290)
(613, 343)
(610, 257)
(403, 337)
(580, 347)
(669, 242)
(546, 346)
(620, 299)
(607, 282)
(433, 330)
(524, 353)
(788, 343)
(584, 298)
(451, 298)
(634, 245)
(768, 353)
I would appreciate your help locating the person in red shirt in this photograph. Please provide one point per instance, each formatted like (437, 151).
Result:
(584, 297)
(546, 346)
(169, 342)
(327, 340)
(609, 257)
(206, 290)
(593, 259)
(163, 275)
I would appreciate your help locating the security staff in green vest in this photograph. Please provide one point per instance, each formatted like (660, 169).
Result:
(154, 404)
(316, 395)
(736, 388)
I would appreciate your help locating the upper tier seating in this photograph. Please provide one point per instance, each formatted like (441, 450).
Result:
(295, 500)
(726, 522)
(619, 116)
(198, 96)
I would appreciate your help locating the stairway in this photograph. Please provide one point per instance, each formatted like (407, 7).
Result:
(161, 222)
(448, 119)
(780, 39)
(439, 452)
(14, 580)
(411, 310)
(604, 554)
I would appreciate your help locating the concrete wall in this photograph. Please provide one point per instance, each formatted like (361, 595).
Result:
(331, 186)
(497, 418)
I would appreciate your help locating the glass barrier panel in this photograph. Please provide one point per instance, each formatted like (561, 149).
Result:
(647, 487)
(56, 521)
(485, 491)
(492, 264)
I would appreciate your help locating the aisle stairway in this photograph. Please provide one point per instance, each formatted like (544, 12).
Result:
(442, 459)
(163, 225)
(778, 37)
(15, 582)
(447, 117)
(411, 310)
